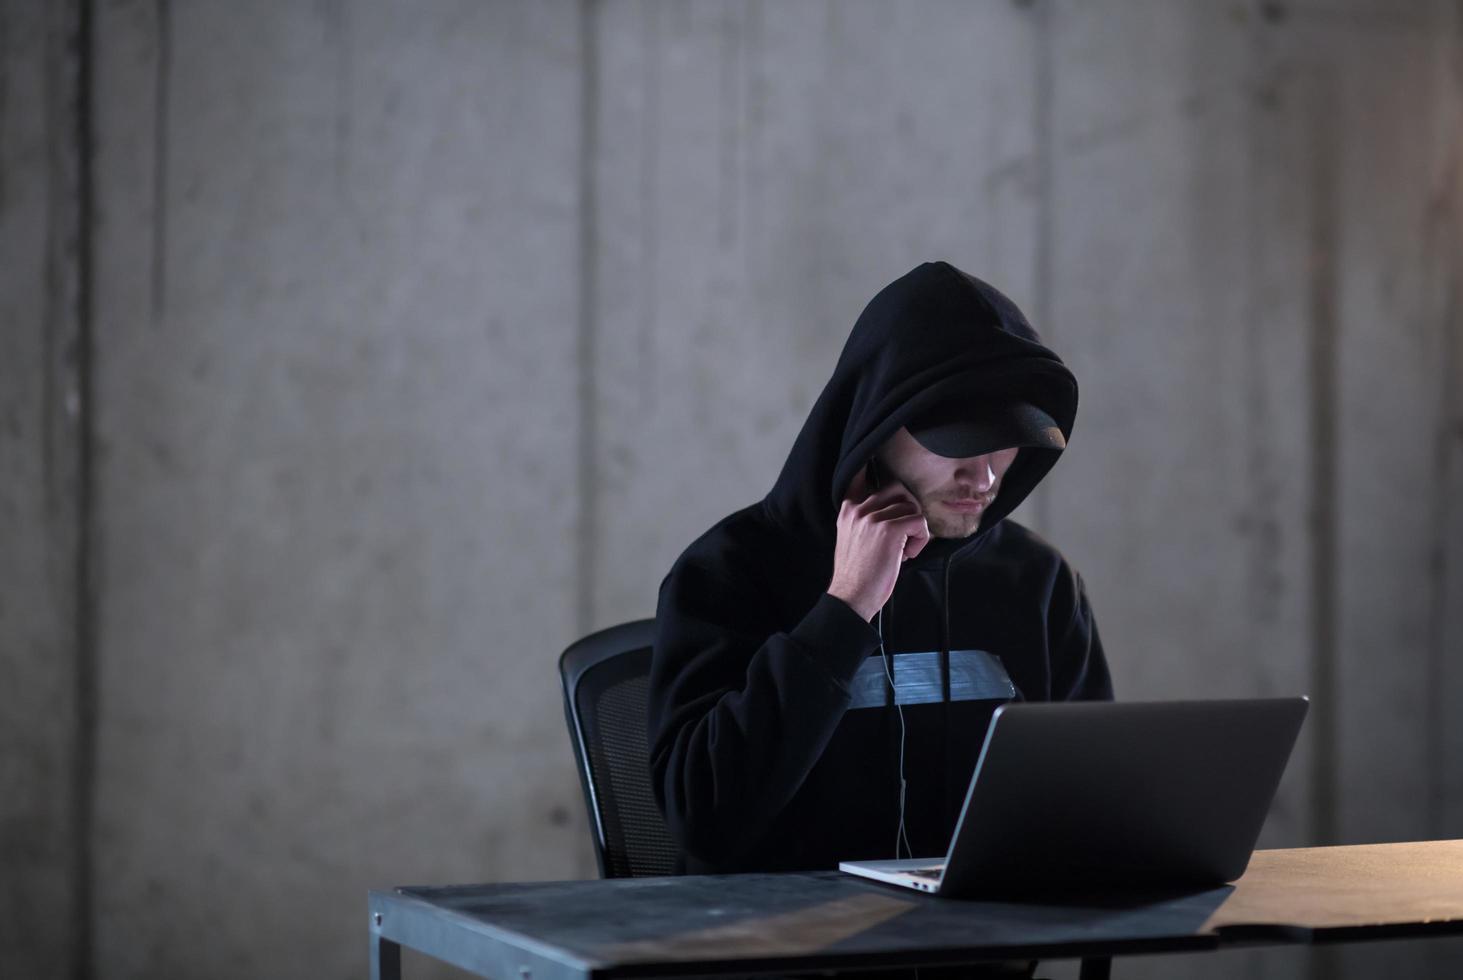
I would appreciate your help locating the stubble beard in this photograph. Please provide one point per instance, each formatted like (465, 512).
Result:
(944, 524)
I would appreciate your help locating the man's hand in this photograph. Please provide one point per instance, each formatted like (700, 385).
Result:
(876, 533)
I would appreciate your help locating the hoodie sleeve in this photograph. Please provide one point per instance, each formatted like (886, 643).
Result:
(1078, 664)
(738, 711)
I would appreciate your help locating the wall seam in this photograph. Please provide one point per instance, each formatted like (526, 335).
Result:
(1043, 273)
(586, 543)
(1323, 366)
(4, 91)
(1441, 260)
(1322, 371)
(162, 82)
(649, 228)
(86, 600)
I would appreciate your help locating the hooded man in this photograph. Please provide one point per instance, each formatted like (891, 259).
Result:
(827, 660)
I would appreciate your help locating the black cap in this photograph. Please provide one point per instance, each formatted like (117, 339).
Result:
(960, 431)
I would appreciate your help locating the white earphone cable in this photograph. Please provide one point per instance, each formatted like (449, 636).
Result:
(901, 838)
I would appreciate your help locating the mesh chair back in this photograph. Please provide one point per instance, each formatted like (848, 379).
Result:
(605, 677)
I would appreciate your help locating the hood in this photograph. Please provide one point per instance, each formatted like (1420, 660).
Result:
(933, 336)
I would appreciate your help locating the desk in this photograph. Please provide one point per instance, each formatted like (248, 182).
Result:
(724, 925)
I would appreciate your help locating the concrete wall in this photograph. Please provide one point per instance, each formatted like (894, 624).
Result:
(44, 770)
(421, 337)
(41, 771)
(337, 333)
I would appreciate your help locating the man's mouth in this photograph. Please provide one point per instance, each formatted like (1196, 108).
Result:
(968, 504)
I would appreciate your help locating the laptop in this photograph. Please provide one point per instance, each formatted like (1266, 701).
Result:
(1111, 794)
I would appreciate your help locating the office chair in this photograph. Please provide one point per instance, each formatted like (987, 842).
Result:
(605, 676)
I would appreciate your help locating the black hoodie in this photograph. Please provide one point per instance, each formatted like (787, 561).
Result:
(774, 742)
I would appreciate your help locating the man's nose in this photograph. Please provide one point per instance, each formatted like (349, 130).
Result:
(977, 469)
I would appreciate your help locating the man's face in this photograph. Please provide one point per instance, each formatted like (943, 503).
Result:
(953, 493)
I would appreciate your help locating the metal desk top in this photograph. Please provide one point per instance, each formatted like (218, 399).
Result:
(779, 923)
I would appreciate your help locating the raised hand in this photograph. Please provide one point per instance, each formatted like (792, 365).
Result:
(877, 532)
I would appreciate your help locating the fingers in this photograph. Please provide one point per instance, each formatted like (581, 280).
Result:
(919, 536)
(878, 502)
(904, 519)
(895, 509)
(884, 496)
(858, 487)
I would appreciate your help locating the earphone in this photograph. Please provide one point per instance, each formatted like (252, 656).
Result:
(900, 837)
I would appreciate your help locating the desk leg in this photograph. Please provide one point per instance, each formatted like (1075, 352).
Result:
(385, 958)
(1096, 968)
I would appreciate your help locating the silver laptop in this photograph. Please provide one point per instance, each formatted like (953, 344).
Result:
(1111, 794)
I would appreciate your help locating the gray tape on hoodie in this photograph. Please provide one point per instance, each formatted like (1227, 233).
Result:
(975, 675)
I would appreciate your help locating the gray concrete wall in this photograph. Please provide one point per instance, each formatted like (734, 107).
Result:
(337, 312)
(423, 336)
(43, 771)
